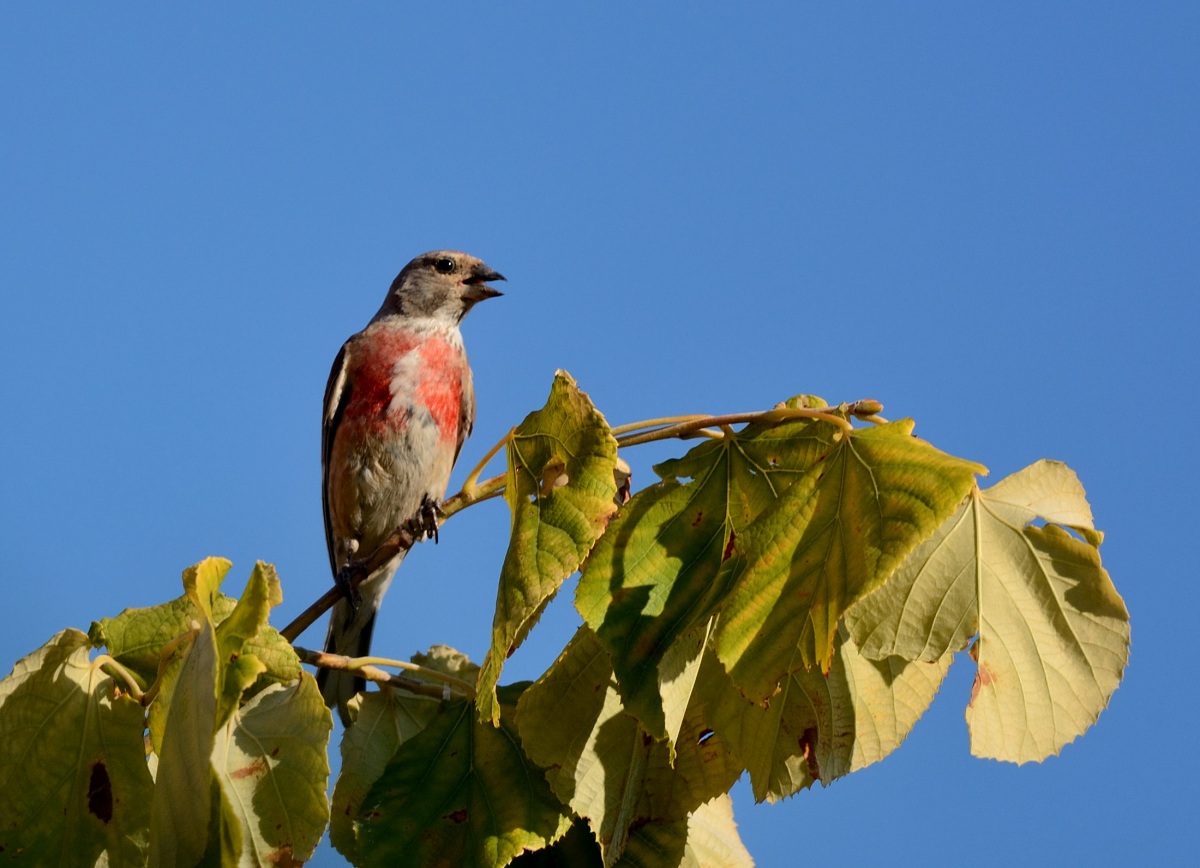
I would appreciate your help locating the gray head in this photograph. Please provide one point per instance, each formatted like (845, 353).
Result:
(441, 284)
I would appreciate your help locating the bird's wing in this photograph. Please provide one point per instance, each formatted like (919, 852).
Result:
(337, 392)
(466, 410)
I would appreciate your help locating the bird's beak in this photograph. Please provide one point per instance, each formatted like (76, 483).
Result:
(477, 288)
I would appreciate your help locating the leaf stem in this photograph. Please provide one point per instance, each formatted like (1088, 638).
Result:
(368, 668)
(468, 487)
(106, 662)
(692, 424)
(655, 423)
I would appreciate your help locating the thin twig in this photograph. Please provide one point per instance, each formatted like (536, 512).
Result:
(401, 540)
(632, 434)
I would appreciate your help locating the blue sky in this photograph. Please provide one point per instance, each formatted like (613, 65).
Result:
(986, 217)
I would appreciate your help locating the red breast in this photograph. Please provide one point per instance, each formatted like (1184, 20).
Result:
(390, 363)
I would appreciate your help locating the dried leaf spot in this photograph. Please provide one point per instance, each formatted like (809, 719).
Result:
(699, 517)
(100, 798)
(808, 750)
(254, 769)
(283, 857)
(459, 816)
(728, 547)
(983, 675)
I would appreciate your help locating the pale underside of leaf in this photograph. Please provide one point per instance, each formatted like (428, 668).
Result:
(708, 838)
(1053, 632)
(383, 720)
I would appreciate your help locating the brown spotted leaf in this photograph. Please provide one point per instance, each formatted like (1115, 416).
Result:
(74, 787)
(271, 759)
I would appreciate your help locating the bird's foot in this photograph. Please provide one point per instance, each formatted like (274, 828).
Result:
(424, 525)
(345, 582)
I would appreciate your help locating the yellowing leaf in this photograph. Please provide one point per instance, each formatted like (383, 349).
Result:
(831, 538)
(560, 489)
(188, 803)
(191, 816)
(136, 638)
(1053, 631)
(74, 787)
(202, 584)
(270, 757)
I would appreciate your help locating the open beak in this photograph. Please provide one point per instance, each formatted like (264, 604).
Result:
(477, 288)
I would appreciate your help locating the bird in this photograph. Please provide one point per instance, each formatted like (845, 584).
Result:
(399, 404)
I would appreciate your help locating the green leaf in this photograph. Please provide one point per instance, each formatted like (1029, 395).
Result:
(560, 489)
(191, 821)
(831, 538)
(135, 637)
(601, 762)
(760, 461)
(821, 727)
(271, 759)
(247, 620)
(653, 582)
(460, 792)
(74, 787)
(1053, 631)
(383, 720)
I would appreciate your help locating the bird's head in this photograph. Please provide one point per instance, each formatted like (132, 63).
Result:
(441, 284)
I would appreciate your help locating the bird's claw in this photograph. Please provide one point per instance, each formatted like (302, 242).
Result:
(424, 525)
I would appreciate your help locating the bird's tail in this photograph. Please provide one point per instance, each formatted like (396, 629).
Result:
(350, 635)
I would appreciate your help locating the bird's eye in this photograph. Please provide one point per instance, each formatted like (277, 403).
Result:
(444, 265)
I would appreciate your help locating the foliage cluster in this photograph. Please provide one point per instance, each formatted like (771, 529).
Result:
(784, 602)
